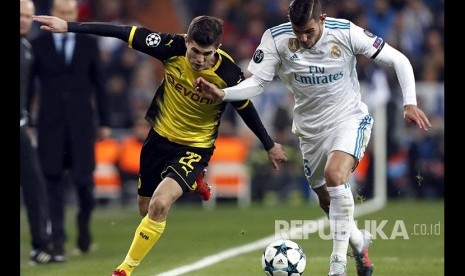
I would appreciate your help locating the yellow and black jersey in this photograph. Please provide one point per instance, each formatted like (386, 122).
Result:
(177, 111)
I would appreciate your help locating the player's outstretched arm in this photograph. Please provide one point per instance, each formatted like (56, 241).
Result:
(415, 115)
(404, 71)
(277, 155)
(57, 25)
(208, 89)
(51, 23)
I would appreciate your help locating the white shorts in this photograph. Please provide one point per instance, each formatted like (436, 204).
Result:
(351, 136)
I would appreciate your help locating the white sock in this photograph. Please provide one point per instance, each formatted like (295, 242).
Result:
(356, 238)
(341, 219)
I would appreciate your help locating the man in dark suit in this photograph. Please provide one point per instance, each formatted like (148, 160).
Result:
(70, 80)
(30, 175)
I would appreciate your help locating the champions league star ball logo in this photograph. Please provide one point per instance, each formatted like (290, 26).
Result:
(258, 56)
(153, 40)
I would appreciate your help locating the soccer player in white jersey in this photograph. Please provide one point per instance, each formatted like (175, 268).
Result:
(315, 56)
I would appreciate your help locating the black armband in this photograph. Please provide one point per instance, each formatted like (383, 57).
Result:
(250, 116)
(101, 29)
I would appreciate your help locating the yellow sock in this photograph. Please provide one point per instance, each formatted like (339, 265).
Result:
(147, 234)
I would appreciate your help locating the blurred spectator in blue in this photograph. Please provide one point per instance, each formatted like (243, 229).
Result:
(380, 18)
(426, 161)
(416, 18)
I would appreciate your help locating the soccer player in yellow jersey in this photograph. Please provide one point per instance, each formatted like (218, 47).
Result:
(184, 123)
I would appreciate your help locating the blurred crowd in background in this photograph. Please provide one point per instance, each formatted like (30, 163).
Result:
(415, 165)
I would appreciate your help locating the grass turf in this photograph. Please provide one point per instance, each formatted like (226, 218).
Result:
(413, 245)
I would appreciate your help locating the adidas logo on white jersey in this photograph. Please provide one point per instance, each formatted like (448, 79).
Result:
(294, 57)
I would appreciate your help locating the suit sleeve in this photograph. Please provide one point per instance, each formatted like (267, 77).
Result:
(249, 114)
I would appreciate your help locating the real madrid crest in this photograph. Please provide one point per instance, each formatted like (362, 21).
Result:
(293, 44)
(335, 52)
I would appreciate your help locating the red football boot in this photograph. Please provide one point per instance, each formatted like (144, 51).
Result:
(118, 272)
(203, 189)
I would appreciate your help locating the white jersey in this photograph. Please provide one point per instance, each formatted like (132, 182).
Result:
(324, 78)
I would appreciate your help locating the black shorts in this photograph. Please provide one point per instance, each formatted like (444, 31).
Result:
(160, 158)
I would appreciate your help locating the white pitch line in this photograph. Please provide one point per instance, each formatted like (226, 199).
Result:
(365, 208)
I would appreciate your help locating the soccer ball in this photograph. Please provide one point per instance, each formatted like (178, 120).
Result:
(283, 258)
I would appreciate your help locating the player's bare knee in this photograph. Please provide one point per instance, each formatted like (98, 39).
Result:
(159, 205)
(335, 177)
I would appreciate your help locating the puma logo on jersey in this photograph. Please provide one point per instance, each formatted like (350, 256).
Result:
(180, 72)
(169, 43)
(185, 169)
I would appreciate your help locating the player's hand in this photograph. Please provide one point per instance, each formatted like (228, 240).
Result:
(277, 155)
(208, 89)
(415, 115)
(51, 23)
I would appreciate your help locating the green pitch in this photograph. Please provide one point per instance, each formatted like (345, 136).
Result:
(409, 240)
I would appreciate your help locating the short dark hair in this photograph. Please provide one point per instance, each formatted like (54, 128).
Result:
(302, 11)
(205, 30)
